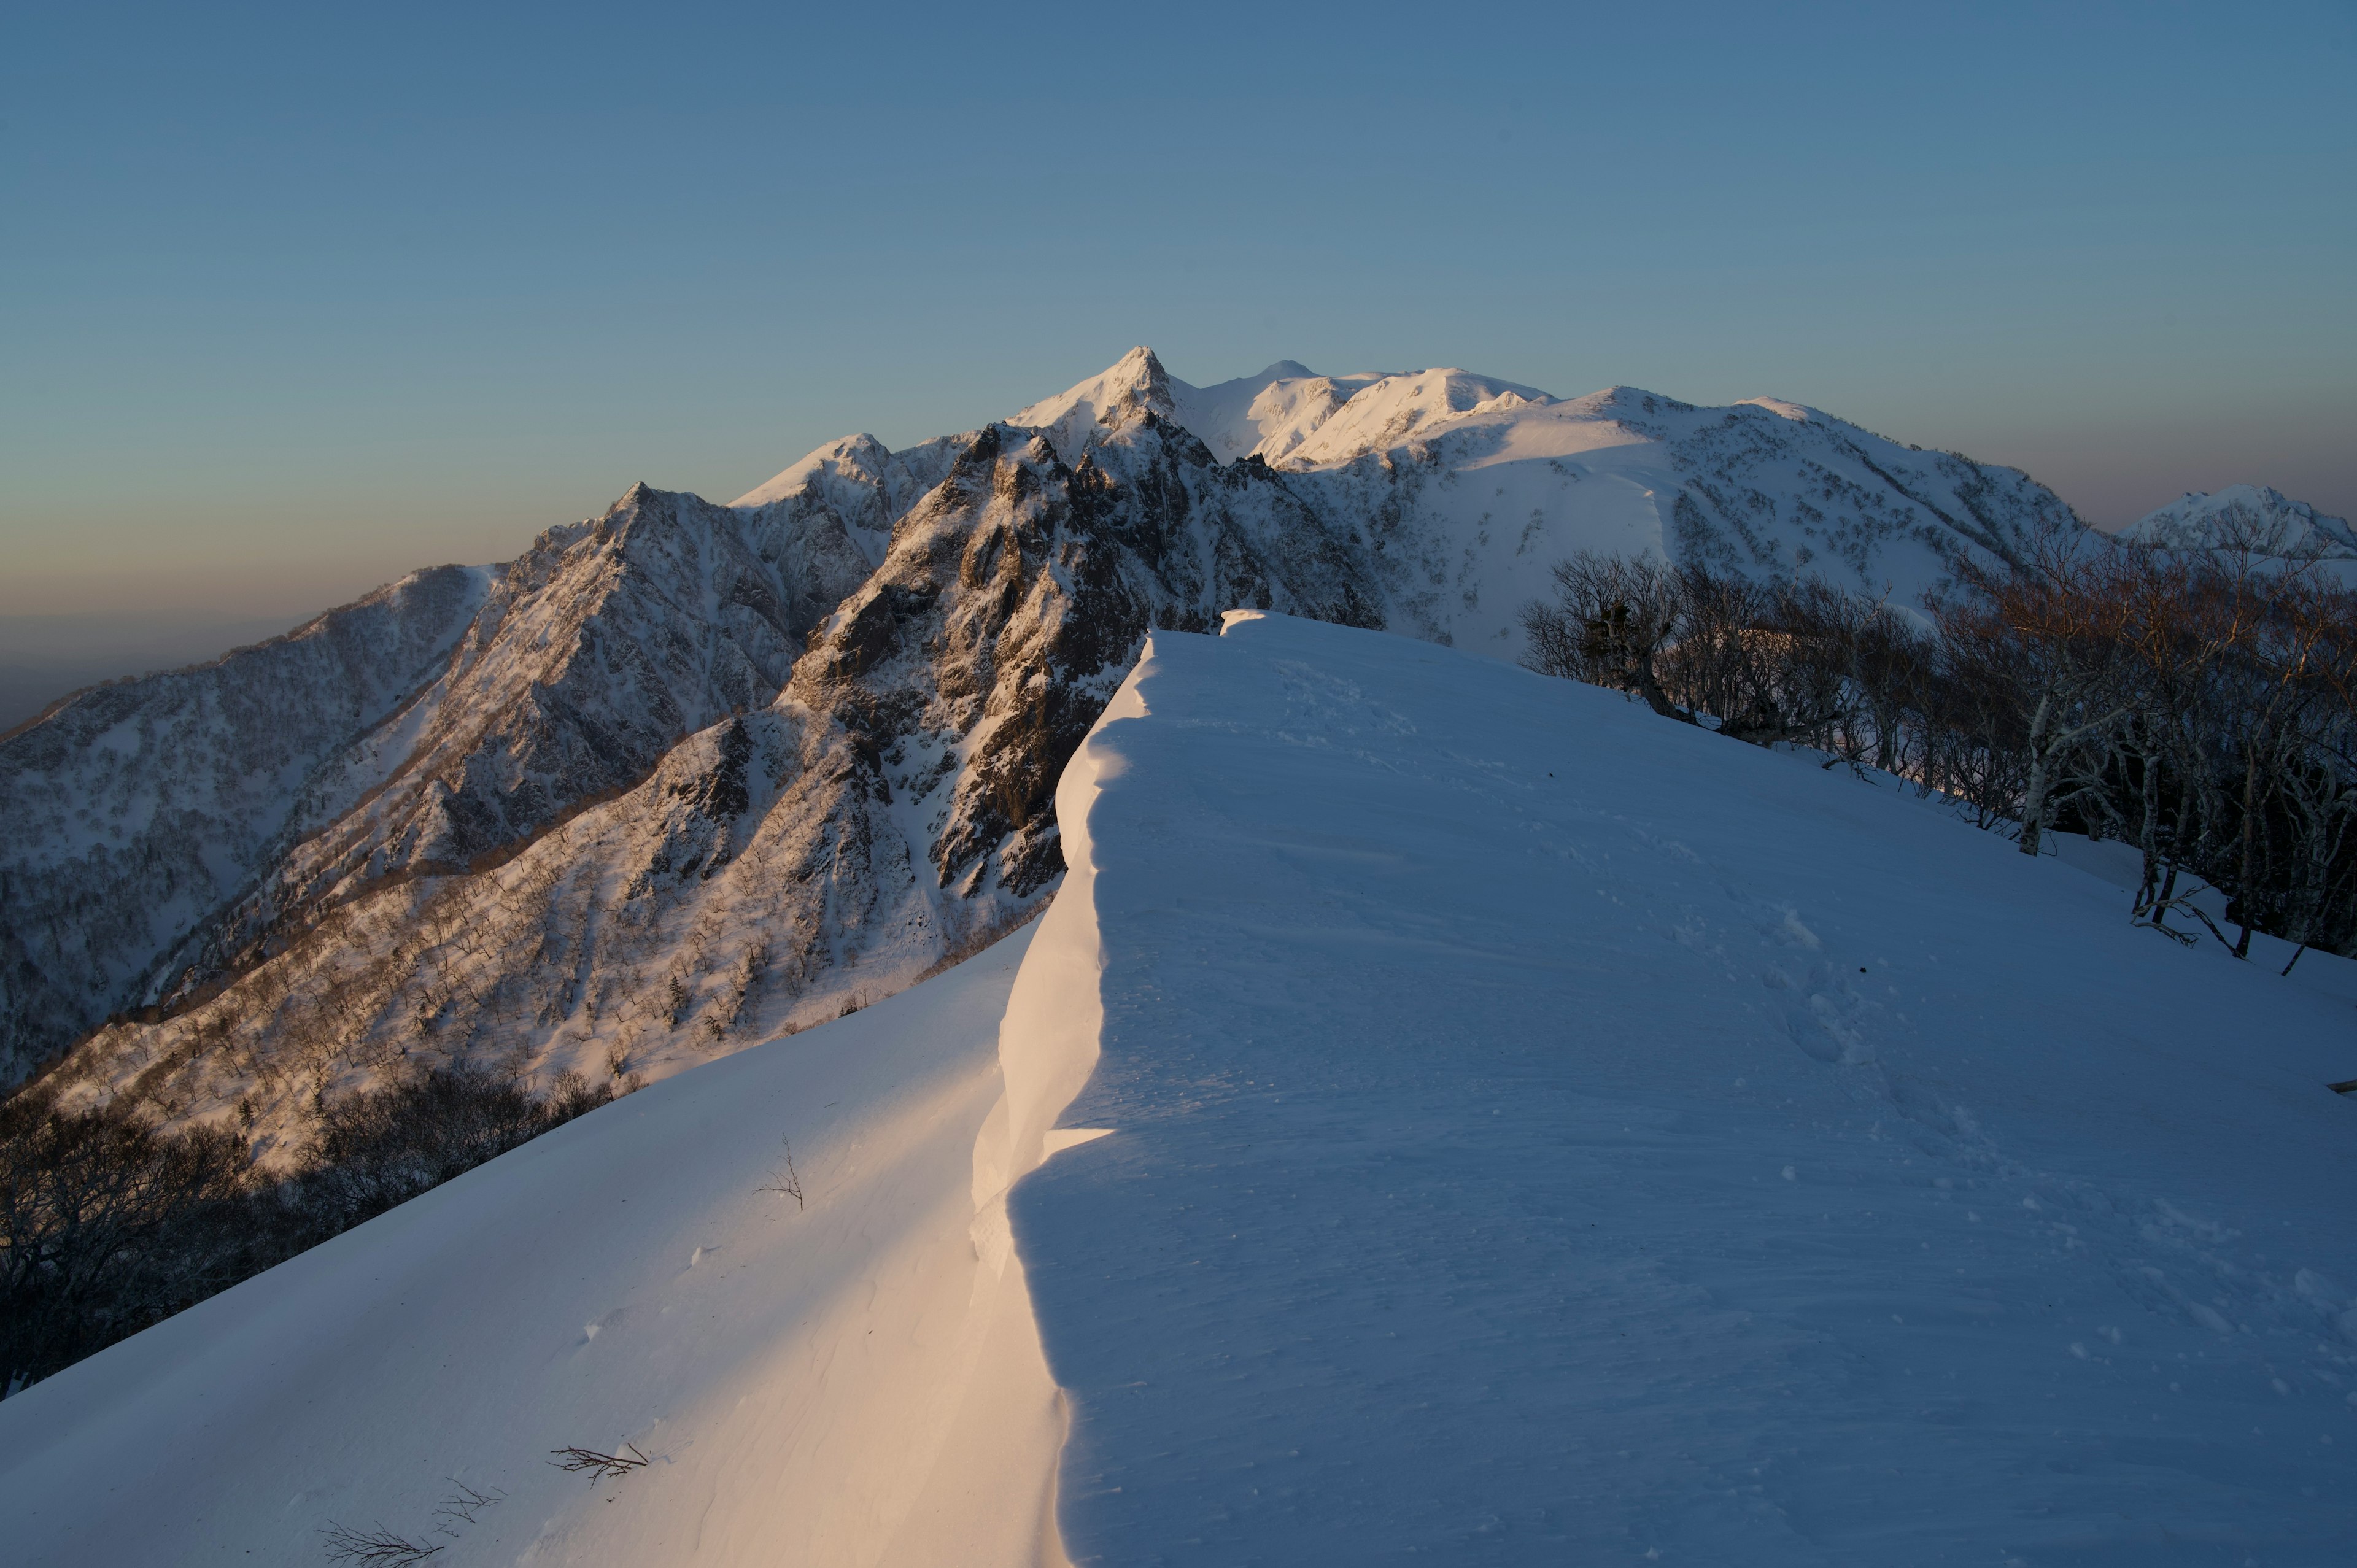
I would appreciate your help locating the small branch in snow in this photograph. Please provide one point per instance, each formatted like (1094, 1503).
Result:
(461, 1506)
(575, 1461)
(786, 1180)
(378, 1546)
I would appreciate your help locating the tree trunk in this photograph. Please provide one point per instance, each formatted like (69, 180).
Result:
(2033, 794)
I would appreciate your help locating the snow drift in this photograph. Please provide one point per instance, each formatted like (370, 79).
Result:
(1541, 1134)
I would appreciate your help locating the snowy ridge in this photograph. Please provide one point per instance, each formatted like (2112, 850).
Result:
(1391, 410)
(1539, 1133)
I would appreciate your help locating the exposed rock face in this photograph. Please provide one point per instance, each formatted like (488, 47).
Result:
(686, 774)
(599, 649)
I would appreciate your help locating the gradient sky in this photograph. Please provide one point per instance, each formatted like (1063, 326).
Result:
(297, 298)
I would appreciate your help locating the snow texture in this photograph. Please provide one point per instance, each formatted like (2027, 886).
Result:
(855, 1382)
(1543, 1133)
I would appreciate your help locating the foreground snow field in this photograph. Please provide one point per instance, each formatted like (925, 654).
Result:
(1497, 1126)
(858, 1382)
(1544, 1133)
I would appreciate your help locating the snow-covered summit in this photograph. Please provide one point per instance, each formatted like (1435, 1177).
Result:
(2258, 518)
(1285, 414)
(1233, 418)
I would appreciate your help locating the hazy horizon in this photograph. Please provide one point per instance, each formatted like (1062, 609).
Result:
(301, 302)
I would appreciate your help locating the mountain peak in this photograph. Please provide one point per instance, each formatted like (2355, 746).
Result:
(2258, 518)
(861, 456)
(637, 495)
(1110, 400)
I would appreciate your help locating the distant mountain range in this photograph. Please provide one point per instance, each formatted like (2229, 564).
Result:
(2256, 517)
(686, 774)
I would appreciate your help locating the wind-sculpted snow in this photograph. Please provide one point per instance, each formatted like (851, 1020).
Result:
(134, 810)
(1542, 1134)
(695, 772)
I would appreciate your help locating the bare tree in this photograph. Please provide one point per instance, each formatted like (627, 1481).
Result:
(1611, 619)
(2200, 705)
(2046, 637)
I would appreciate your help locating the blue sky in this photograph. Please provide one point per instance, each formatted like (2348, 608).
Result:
(297, 298)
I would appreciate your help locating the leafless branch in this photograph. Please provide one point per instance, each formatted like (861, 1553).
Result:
(598, 1466)
(786, 1179)
(378, 1546)
(461, 1506)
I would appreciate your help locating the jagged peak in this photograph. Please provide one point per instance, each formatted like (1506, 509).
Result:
(1114, 397)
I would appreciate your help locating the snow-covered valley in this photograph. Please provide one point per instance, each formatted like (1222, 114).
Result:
(1450, 1114)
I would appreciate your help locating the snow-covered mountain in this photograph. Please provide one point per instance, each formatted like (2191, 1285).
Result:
(1466, 489)
(129, 815)
(686, 774)
(1446, 1114)
(2258, 518)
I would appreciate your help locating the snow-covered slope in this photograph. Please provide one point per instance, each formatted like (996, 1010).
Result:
(1543, 1133)
(2259, 517)
(856, 1383)
(601, 649)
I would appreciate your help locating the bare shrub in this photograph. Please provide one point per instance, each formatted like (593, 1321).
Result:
(784, 1179)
